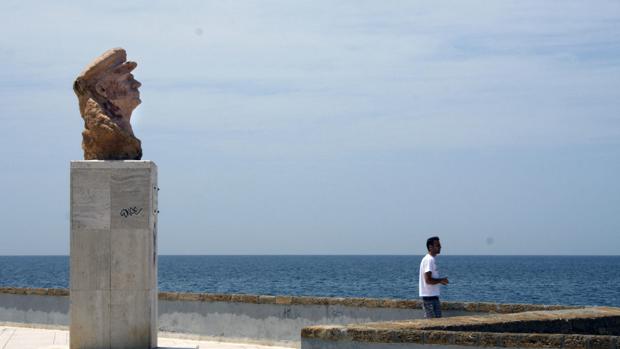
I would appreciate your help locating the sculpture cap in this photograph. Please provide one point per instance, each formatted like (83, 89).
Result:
(108, 60)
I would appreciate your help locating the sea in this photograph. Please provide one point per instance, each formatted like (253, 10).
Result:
(566, 280)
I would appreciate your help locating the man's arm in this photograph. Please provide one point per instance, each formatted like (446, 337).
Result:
(428, 277)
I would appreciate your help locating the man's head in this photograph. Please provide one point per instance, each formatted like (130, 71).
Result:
(108, 80)
(433, 245)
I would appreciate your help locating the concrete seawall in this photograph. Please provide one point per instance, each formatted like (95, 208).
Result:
(249, 317)
(35, 307)
(584, 328)
(274, 318)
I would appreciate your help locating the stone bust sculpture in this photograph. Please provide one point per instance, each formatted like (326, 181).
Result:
(108, 93)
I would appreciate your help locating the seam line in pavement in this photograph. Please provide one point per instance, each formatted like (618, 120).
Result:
(8, 340)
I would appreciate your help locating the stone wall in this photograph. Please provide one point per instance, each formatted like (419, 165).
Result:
(252, 317)
(34, 306)
(280, 318)
(584, 328)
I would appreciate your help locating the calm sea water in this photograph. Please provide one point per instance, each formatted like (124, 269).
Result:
(569, 280)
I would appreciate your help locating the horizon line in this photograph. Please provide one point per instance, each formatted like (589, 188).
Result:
(339, 255)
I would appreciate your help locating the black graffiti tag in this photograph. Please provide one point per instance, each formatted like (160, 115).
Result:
(131, 211)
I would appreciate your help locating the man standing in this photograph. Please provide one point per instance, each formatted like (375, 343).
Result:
(430, 281)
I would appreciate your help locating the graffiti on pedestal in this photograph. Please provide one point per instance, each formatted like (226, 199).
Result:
(131, 211)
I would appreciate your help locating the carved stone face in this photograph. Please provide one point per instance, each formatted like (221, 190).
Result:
(107, 95)
(121, 89)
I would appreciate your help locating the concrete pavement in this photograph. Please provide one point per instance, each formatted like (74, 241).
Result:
(38, 338)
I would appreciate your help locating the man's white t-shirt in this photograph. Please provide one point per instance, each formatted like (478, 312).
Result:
(428, 264)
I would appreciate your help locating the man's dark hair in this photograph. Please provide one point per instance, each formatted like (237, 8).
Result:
(431, 241)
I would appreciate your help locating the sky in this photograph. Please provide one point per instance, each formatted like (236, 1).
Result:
(330, 127)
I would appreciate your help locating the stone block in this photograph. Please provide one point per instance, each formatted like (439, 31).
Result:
(216, 297)
(439, 337)
(131, 194)
(284, 300)
(131, 313)
(90, 199)
(542, 341)
(410, 336)
(190, 297)
(169, 296)
(602, 342)
(465, 338)
(575, 342)
(488, 339)
(244, 298)
(267, 299)
(131, 259)
(487, 307)
(90, 260)
(90, 319)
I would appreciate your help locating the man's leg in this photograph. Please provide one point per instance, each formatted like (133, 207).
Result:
(437, 307)
(429, 308)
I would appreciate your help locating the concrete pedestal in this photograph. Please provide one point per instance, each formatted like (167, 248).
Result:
(113, 255)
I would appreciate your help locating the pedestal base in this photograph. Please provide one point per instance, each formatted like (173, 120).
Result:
(113, 254)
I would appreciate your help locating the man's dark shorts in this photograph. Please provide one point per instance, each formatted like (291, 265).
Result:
(431, 306)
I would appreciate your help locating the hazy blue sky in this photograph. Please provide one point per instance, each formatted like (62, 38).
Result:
(321, 127)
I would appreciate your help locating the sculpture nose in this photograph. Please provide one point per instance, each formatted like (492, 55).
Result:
(136, 84)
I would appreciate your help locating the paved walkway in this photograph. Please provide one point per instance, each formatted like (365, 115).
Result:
(37, 338)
